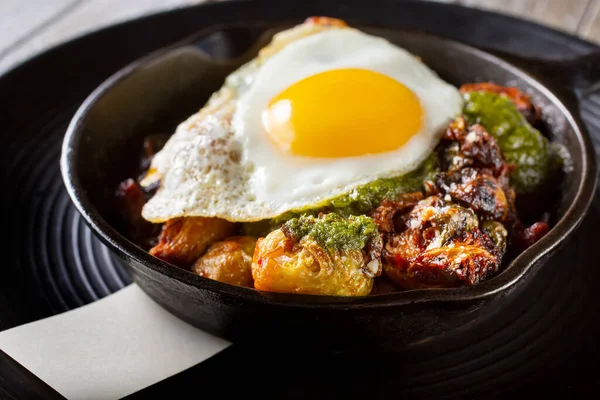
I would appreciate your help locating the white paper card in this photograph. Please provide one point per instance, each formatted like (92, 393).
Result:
(110, 348)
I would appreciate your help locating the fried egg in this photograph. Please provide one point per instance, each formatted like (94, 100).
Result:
(322, 110)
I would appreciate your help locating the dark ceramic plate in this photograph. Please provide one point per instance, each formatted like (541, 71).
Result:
(543, 339)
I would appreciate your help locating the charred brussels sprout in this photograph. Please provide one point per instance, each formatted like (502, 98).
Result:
(441, 245)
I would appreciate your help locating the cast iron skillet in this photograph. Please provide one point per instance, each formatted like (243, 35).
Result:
(156, 92)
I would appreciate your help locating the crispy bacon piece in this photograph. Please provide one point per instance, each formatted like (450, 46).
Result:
(183, 240)
(441, 245)
(523, 102)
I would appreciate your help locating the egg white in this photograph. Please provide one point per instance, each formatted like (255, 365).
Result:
(221, 163)
(281, 179)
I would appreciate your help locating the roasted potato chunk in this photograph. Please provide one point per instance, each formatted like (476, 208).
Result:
(283, 265)
(183, 240)
(228, 261)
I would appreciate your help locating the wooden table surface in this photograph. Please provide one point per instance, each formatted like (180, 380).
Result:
(30, 26)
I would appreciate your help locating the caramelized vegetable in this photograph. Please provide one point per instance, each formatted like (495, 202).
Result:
(477, 175)
(290, 264)
(183, 240)
(472, 146)
(441, 245)
(229, 261)
(449, 222)
(383, 215)
(477, 189)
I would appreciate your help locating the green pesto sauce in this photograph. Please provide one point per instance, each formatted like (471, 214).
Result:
(521, 144)
(360, 200)
(332, 231)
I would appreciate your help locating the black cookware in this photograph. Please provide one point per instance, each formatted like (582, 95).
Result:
(153, 94)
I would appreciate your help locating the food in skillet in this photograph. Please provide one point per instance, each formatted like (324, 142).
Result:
(336, 163)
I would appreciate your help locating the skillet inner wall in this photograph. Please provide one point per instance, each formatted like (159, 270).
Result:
(171, 85)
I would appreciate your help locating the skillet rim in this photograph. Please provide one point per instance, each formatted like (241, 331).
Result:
(506, 279)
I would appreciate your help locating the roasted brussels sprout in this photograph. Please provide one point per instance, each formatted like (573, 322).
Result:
(228, 261)
(472, 146)
(479, 190)
(476, 174)
(328, 255)
(441, 245)
(183, 240)
(383, 215)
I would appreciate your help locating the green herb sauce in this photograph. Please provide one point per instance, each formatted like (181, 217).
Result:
(358, 201)
(521, 144)
(332, 231)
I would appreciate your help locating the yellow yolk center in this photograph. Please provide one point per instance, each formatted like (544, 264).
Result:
(343, 113)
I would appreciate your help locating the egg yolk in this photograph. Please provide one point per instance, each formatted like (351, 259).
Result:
(343, 113)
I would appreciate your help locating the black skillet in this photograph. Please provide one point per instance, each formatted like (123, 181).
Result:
(545, 335)
(163, 88)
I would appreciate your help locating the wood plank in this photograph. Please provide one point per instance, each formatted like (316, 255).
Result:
(88, 15)
(27, 27)
(590, 23)
(19, 18)
(561, 14)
